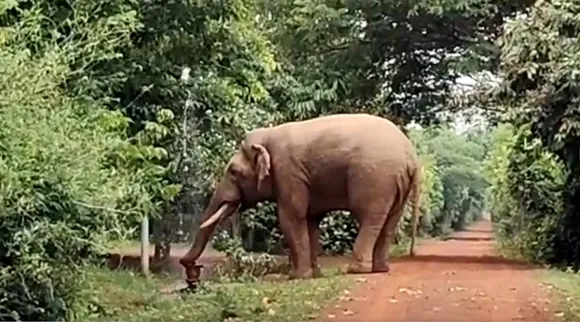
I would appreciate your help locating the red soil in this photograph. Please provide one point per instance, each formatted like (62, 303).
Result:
(461, 279)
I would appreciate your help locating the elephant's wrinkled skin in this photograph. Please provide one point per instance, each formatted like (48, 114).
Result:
(355, 162)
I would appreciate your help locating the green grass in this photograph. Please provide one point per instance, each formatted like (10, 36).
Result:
(126, 296)
(567, 286)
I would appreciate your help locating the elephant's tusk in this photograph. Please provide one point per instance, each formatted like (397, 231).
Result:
(217, 215)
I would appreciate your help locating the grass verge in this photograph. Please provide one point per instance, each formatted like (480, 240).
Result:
(567, 286)
(125, 296)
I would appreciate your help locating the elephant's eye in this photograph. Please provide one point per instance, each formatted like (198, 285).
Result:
(234, 171)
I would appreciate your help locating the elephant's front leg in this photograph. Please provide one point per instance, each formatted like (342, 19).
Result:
(294, 226)
(314, 236)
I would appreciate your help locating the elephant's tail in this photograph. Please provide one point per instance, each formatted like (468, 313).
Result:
(416, 203)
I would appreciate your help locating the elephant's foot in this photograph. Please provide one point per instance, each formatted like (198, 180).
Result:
(381, 267)
(301, 274)
(359, 268)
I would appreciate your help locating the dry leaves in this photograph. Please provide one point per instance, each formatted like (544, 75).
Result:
(347, 312)
(407, 291)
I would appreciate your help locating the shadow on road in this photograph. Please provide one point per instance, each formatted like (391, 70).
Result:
(469, 238)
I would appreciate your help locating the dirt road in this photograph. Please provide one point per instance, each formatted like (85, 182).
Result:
(461, 279)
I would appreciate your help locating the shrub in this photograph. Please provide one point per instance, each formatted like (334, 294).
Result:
(526, 194)
(69, 177)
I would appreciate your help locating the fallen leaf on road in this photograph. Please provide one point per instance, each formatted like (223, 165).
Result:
(481, 294)
(331, 316)
(495, 307)
(408, 291)
(345, 298)
(265, 301)
(361, 280)
(392, 300)
(452, 289)
(455, 304)
(436, 309)
(559, 314)
(459, 288)
(347, 292)
(271, 312)
(347, 312)
(513, 288)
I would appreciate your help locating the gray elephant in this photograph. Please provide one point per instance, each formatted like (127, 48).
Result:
(355, 162)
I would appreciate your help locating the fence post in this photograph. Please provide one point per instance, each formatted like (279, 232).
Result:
(145, 246)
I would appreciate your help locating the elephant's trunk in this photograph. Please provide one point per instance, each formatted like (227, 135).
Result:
(215, 211)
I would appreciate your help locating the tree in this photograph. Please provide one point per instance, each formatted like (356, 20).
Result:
(540, 84)
(70, 177)
(395, 58)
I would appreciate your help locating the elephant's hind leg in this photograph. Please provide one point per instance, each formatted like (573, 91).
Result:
(381, 250)
(371, 221)
(382, 247)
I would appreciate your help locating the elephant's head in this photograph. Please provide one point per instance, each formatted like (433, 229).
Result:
(245, 182)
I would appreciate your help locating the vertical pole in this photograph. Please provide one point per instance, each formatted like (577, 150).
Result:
(145, 246)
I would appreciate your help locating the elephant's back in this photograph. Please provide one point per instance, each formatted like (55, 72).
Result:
(337, 144)
(353, 133)
(357, 127)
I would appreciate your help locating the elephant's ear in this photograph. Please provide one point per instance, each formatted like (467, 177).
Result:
(262, 163)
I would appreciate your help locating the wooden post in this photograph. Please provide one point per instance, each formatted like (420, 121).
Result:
(145, 246)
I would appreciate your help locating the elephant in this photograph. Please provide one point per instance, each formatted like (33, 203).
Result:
(354, 162)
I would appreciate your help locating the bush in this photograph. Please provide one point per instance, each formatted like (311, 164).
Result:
(69, 177)
(525, 194)
(338, 232)
(241, 265)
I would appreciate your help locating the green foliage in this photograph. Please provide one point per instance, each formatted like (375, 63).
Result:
(540, 83)
(525, 194)
(70, 179)
(394, 58)
(453, 186)
(338, 232)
